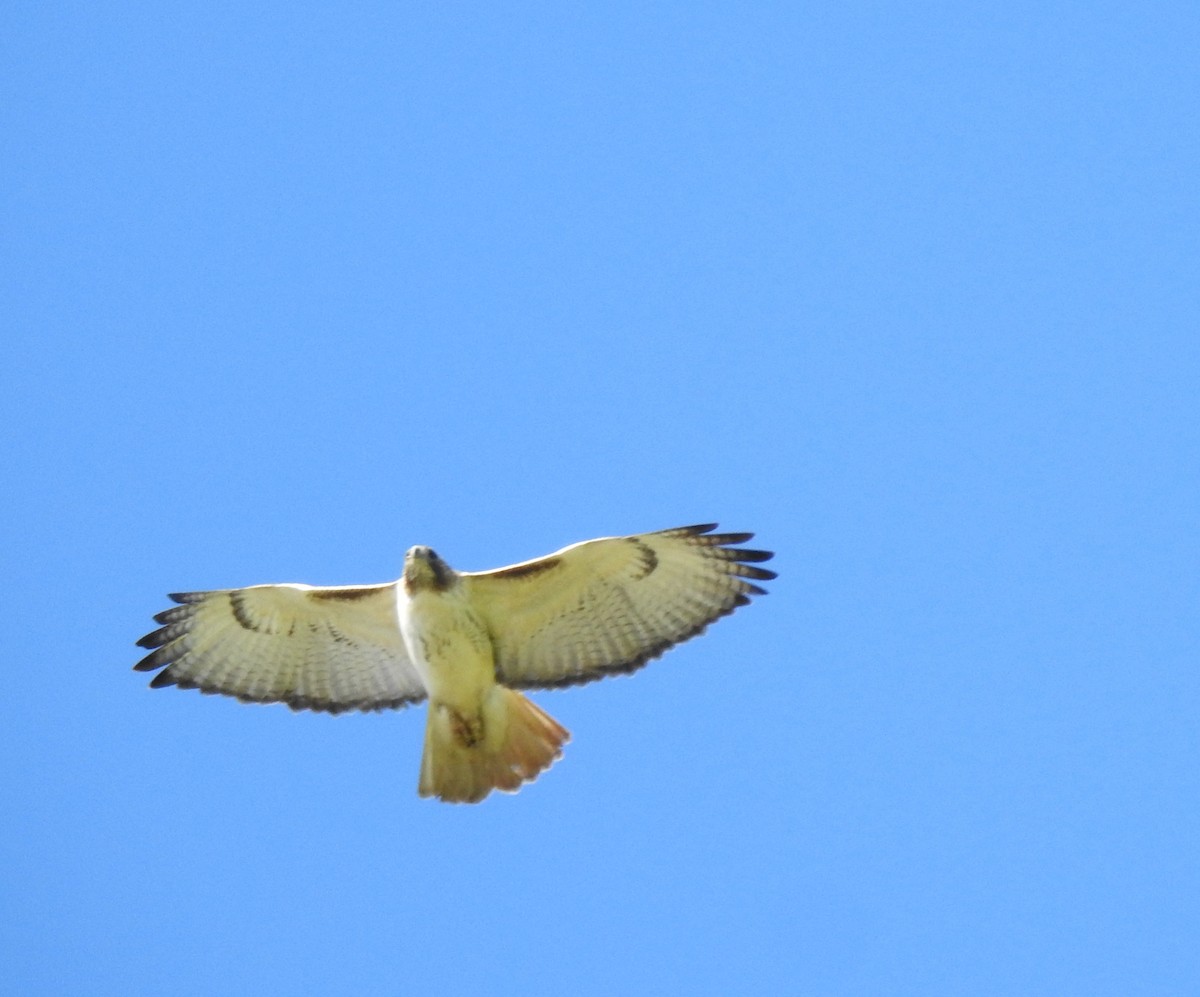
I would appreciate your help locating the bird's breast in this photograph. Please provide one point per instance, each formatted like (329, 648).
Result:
(448, 644)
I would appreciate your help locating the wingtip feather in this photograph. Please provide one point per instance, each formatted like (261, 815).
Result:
(742, 554)
(174, 614)
(725, 539)
(186, 597)
(155, 659)
(694, 531)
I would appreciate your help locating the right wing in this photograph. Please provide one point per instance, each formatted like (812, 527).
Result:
(330, 649)
(608, 606)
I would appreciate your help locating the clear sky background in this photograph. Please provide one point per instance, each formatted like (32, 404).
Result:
(910, 290)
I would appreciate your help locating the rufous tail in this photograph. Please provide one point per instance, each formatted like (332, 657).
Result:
(508, 742)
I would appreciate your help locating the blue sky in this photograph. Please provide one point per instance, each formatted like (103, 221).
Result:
(911, 291)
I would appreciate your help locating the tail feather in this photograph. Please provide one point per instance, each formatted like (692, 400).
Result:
(510, 742)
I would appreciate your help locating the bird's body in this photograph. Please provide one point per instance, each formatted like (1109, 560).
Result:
(479, 736)
(467, 641)
(446, 640)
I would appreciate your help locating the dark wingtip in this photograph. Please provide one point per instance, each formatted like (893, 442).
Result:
(155, 659)
(185, 597)
(163, 679)
(173, 614)
(730, 538)
(741, 554)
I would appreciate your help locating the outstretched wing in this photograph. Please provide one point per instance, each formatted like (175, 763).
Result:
(608, 606)
(330, 649)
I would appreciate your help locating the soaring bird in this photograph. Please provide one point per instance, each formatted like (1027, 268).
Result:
(469, 641)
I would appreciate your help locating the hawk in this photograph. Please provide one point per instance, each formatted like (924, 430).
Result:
(467, 641)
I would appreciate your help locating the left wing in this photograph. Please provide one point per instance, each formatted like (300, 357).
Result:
(330, 649)
(608, 606)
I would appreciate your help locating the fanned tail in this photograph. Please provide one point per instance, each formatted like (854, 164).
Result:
(509, 742)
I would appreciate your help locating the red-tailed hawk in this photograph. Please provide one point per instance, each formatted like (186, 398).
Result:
(467, 640)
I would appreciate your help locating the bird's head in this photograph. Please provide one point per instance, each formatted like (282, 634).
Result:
(424, 570)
